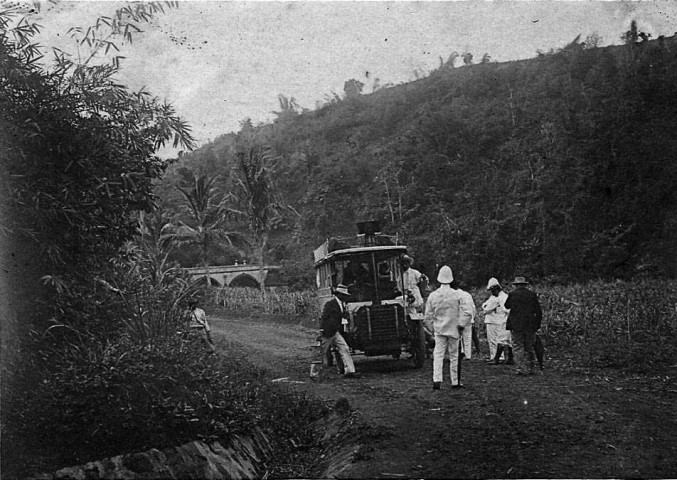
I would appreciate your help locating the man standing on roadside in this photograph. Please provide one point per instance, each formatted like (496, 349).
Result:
(450, 313)
(524, 321)
(495, 318)
(198, 320)
(330, 323)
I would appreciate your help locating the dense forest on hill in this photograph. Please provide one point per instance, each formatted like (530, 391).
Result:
(561, 167)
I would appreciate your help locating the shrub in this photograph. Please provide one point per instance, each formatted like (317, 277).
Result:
(111, 376)
(129, 398)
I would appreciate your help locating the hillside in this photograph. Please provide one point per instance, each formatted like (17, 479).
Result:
(560, 167)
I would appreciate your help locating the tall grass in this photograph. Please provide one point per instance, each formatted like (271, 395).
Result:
(250, 301)
(626, 324)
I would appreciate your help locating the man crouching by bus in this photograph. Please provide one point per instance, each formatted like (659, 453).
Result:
(330, 323)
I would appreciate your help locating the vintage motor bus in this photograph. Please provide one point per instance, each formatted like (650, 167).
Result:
(382, 321)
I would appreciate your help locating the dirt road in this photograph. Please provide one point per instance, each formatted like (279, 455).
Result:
(594, 425)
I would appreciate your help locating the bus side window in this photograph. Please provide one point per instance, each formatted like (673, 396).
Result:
(337, 273)
(332, 275)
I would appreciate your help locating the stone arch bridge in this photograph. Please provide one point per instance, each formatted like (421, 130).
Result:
(234, 275)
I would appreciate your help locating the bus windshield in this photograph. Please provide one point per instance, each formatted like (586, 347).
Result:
(369, 276)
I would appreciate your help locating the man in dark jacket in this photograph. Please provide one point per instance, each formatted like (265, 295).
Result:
(330, 328)
(524, 321)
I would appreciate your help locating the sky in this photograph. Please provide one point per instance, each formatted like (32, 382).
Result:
(220, 62)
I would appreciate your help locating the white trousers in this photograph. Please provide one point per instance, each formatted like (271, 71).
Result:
(467, 341)
(444, 344)
(497, 335)
(493, 334)
(343, 350)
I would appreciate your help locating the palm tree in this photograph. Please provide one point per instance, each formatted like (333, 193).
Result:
(258, 199)
(208, 211)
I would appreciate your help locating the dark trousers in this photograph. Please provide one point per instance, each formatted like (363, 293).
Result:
(475, 339)
(524, 344)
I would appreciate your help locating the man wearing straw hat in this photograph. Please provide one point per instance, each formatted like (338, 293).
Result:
(524, 321)
(330, 323)
(449, 313)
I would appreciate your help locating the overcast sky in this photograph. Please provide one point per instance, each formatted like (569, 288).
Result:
(220, 62)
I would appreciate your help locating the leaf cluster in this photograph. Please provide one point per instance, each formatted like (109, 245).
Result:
(79, 150)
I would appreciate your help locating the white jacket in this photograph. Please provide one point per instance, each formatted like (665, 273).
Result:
(447, 309)
(469, 299)
(411, 279)
(494, 309)
(198, 319)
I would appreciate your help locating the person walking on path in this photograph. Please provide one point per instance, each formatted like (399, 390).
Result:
(524, 321)
(198, 320)
(333, 313)
(495, 318)
(449, 313)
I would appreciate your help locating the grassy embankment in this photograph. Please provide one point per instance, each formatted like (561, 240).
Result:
(102, 398)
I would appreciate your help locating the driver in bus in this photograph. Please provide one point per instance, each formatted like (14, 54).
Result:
(355, 273)
(357, 277)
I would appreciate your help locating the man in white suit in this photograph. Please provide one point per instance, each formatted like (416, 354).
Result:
(448, 312)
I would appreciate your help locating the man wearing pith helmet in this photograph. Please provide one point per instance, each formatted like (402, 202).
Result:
(449, 314)
(524, 321)
(495, 317)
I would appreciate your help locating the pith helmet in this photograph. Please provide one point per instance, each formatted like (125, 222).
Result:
(493, 282)
(445, 275)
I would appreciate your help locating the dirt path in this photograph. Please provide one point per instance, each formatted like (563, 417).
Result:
(548, 426)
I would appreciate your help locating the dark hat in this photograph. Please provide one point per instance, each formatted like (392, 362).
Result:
(520, 281)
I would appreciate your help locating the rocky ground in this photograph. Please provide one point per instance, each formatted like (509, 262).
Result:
(594, 424)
